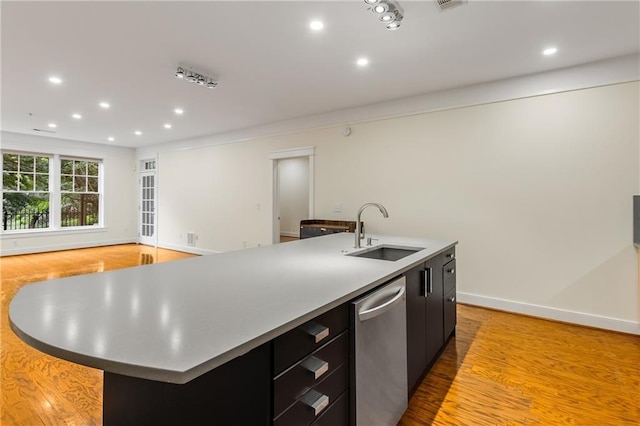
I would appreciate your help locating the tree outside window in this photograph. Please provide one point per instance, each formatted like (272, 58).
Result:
(80, 193)
(25, 191)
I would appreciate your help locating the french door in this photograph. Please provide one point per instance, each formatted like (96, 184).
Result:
(148, 195)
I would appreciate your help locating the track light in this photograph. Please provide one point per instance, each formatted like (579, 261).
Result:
(389, 12)
(192, 76)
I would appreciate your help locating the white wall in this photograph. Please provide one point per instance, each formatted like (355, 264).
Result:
(119, 197)
(537, 191)
(293, 175)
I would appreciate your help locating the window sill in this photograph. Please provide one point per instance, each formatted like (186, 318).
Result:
(33, 233)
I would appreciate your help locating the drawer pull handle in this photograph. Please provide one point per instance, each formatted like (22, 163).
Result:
(451, 271)
(450, 255)
(428, 281)
(452, 299)
(315, 400)
(315, 365)
(323, 229)
(315, 330)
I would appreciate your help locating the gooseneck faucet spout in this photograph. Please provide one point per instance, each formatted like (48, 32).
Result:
(359, 233)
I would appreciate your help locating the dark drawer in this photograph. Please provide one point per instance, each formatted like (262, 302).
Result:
(450, 272)
(294, 382)
(296, 344)
(337, 414)
(449, 313)
(449, 254)
(302, 413)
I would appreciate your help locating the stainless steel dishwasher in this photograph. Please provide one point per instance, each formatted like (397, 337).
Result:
(380, 361)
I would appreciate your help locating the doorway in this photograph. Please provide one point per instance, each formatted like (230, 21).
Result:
(147, 207)
(292, 191)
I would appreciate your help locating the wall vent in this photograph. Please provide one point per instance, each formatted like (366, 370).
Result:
(191, 239)
(449, 4)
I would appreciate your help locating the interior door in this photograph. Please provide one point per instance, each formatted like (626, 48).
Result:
(147, 207)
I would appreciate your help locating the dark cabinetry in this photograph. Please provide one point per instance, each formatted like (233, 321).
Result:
(311, 367)
(235, 393)
(430, 313)
(318, 227)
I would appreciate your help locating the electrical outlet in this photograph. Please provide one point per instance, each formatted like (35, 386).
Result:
(337, 207)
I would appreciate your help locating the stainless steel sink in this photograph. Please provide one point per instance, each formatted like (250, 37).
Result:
(387, 252)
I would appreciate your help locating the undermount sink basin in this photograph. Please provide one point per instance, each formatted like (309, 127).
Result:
(386, 252)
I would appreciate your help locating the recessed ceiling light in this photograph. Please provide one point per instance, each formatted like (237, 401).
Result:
(104, 105)
(138, 132)
(316, 25)
(362, 62)
(55, 80)
(77, 116)
(167, 126)
(178, 111)
(549, 51)
(111, 139)
(52, 125)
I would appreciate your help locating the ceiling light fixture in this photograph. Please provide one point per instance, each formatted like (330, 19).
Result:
(389, 11)
(179, 111)
(111, 139)
(316, 25)
(550, 51)
(167, 126)
(52, 125)
(184, 73)
(77, 116)
(362, 62)
(55, 80)
(137, 132)
(105, 105)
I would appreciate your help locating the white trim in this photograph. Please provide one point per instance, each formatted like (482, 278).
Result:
(292, 153)
(308, 151)
(580, 318)
(290, 234)
(622, 69)
(186, 249)
(38, 233)
(68, 246)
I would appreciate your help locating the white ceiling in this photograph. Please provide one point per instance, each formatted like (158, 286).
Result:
(270, 65)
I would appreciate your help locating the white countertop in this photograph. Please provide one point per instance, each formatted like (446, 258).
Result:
(175, 321)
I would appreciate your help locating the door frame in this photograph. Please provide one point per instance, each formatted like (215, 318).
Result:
(153, 240)
(275, 157)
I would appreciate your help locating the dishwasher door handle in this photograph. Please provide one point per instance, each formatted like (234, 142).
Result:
(381, 309)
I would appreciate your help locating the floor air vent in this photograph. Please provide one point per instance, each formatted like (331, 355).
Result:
(449, 4)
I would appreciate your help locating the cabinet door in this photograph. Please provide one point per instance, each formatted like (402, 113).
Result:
(450, 313)
(434, 308)
(416, 327)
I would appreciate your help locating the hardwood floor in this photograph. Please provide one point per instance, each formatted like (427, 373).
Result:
(38, 389)
(500, 369)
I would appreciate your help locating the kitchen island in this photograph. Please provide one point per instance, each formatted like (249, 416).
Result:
(182, 323)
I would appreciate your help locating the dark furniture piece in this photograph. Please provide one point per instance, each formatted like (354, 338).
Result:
(317, 227)
(431, 313)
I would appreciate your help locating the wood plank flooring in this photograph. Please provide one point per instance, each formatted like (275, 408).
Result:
(500, 369)
(38, 389)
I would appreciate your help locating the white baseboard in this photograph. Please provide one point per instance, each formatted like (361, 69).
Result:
(590, 320)
(186, 249)
(69, 246)
(290, 234)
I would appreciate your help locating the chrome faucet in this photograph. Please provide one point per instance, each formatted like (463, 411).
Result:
(358, 228)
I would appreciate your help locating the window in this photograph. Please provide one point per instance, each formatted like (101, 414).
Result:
(42, 191)
(25, 191)
(80, 195)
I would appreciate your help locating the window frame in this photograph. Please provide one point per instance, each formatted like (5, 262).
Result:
(55, 195)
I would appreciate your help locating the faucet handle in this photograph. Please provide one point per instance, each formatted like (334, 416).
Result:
(369, 240)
